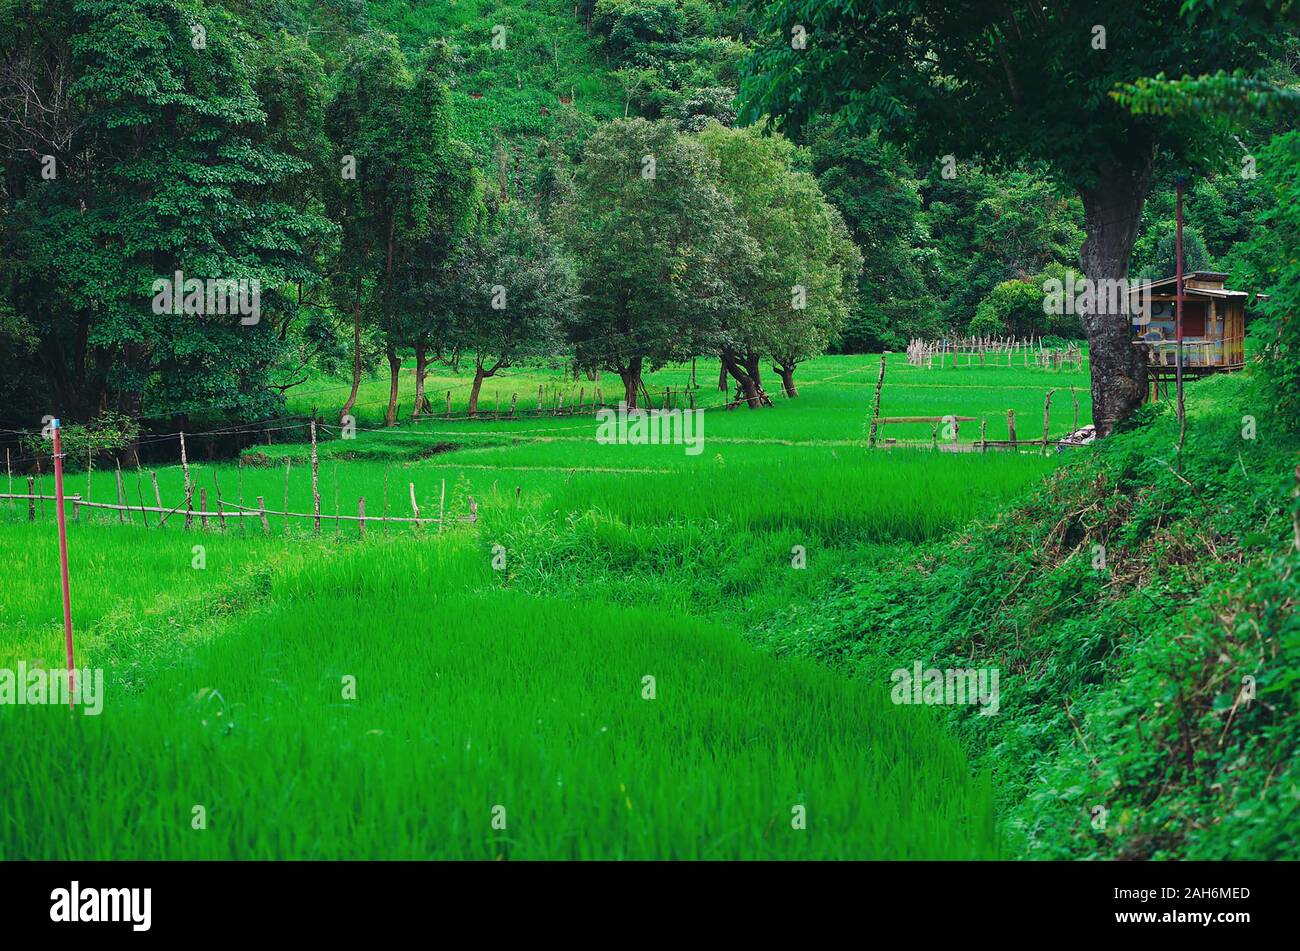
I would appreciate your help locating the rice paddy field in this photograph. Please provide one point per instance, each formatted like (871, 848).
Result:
(566, 676)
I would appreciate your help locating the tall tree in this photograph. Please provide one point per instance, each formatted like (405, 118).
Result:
(795, 291)
(1020, 81)
(519, 286)
(655, 240)
(403, 195)
(135, 146)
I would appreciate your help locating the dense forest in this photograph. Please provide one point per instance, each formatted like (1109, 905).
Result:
(374, 169)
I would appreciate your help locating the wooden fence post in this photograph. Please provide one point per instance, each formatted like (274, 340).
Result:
(539, 399)
(1047, 409)
(1011, 427)
(31, 499)
(162, 516)
(442, 505)
(121, 500)
(984, 443)
(415, 509)
(875, 411)
(315, 483)
(203, 509)
(189, 486)
(288, 464)
(1075, 399)
(449, 404)
(513, 398)
(221, 512)
(361, 516)
(261, 512)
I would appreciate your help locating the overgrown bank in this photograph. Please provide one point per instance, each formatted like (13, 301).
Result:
(1126, 726)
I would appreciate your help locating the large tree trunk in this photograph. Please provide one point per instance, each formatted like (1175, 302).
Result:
(631, 377)
(745, 370)
(786, 372)
(394, 372)
(356, 356)
(421, 371)
(1111, 213)
(479, 376)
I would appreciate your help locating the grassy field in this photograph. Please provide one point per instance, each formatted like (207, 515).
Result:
(503, 663)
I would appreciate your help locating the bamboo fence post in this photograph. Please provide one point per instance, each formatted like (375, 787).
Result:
(31, 499)
(162, 518)
(1011, 427)
(121, 514)
(139, 491)
(261, 512)
(442, 505)
(415, 509)
(361, 517)
(875, 411)
(513, 398)
(203, 508)
(539, 399)
(315, 482)
(221, 511)
(189, 486)
(1047, 408)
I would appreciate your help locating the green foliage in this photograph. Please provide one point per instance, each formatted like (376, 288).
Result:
(162, 160)
(1270, 262)
(1120, 685)
(107, 435)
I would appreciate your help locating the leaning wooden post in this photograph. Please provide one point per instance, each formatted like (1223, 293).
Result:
(415, 509)
(875, 410)
(221, 512)
(121, 498)
(315, 481)
(139, 492)
(157, 496)
(261, 512)
(361, 517)
(189, 486)
(1011, 427)
(1047, 408)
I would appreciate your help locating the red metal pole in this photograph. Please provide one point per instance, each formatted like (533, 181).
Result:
(1178, 305)
(63, 559)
